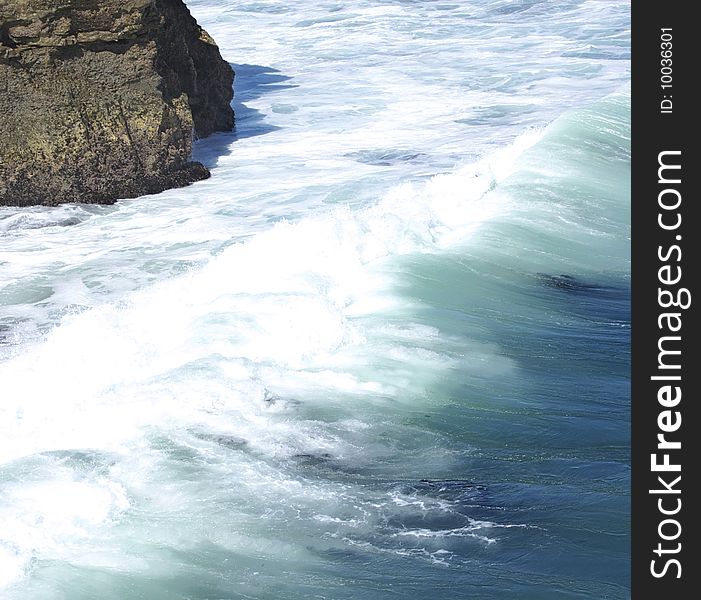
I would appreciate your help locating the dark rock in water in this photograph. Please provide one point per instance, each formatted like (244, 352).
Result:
(100, 100)
(313, 460)
(270, 398)
(565, 282)
(230, 441)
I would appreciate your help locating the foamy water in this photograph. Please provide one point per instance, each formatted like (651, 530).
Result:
(368, 356)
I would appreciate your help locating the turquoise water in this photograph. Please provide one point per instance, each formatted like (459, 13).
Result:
(382, 353)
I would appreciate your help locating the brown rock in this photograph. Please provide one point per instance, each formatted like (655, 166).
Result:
(100, 100)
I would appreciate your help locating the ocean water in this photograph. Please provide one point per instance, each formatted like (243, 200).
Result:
(382, 353)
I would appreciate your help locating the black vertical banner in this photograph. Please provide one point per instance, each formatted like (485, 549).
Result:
(665, 369)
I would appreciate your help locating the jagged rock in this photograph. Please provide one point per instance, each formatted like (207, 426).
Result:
(100, 99)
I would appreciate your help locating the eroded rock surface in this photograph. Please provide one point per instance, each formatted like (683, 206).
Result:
(100, 100)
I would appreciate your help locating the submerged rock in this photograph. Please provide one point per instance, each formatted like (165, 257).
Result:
(100, 99)
(567, 283)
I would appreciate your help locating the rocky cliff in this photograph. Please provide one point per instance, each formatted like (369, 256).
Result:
(100, 99)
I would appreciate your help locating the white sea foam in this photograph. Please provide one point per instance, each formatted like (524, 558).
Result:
(52, 516)
(254, 306)
(256, 318)
(219, 345)
(278, 315)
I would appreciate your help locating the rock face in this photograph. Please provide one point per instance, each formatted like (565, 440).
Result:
(100, 99)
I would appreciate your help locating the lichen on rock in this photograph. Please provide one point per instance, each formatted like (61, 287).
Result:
(101, 99)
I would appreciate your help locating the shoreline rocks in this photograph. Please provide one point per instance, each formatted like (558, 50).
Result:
(100, 100)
